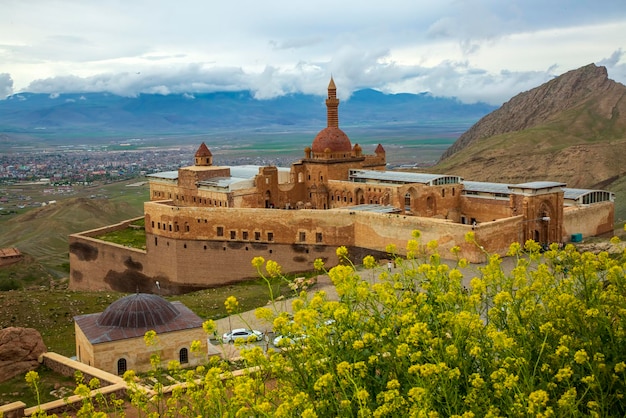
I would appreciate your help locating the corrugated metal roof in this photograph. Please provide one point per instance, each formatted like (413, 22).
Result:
(250, 171)
(539, 185)
(486, 187)
(372, 208)
(169, 175)
(223, 182)
(396, 176)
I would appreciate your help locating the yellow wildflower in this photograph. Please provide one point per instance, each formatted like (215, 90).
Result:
(232, 304)
(258, 262)
(581, 357)
(342, 252)
(209, 326)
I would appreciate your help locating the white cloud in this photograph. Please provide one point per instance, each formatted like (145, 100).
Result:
(472, 49)
(6, 85)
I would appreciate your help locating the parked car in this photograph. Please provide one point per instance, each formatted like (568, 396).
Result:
(283, 340)
(242, 334)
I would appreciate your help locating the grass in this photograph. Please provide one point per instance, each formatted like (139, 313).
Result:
(43, 232)
(24, 274)
(51, 312)
(133, 236)
(17, 389)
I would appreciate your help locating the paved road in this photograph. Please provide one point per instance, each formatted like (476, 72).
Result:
(249, 320)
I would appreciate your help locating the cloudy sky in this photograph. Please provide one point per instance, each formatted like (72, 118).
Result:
(486, 50)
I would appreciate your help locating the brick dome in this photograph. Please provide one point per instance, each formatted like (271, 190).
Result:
(139, 310)
(332, 138)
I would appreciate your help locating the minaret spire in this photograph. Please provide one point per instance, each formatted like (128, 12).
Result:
(332, 105)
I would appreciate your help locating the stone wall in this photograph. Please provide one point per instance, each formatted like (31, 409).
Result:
(190, 248)
(484, 209)
(589, 220)
(100, 265)
(137, 354)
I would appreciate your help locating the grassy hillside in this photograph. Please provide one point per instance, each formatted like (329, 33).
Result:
(43, 232)
(51, 311)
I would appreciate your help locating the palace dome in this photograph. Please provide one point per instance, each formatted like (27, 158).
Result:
(139, 310)
(332, 138)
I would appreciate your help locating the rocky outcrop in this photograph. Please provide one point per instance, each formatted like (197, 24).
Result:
(19, 351)
(541, 104)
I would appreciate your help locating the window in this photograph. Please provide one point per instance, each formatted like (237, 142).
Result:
(270, 236)
(257, 236)
(121, 366)
(244, 234)
(220, 231)
(318, 237)
(302, 236)
(233, 234)
(183, 356)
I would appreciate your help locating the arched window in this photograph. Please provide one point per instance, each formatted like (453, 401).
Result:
(121, 366)
(183, 356)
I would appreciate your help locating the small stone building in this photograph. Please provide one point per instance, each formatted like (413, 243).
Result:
(113, 340)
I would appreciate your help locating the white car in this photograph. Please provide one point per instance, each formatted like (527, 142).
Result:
(243, 334)
(284, 341)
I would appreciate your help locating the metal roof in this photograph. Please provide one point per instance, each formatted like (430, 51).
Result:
(397, 176)
(169, 175)
(372, 208)
(538, 185)
(222, 181)
(485, 187)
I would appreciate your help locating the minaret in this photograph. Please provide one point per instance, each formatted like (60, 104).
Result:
(332, 104)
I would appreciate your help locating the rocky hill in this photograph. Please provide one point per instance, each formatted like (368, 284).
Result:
(570, 129)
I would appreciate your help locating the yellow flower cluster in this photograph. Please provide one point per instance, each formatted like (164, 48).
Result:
(542, 339)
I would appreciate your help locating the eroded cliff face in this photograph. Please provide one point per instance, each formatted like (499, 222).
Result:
(571, 129)
(546, 102)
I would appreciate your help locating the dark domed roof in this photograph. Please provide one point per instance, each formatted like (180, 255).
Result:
(332, 138)
(139, 310)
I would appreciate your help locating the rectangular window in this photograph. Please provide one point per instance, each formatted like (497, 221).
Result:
(302, 236)
(318, 237)
(245, 234)
(257, 236)
(270, 236)
(233, 234)
(220, 231)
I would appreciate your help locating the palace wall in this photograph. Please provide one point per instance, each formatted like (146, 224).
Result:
(484, 209)
(190, 248)
(591, 220)
(100, 265)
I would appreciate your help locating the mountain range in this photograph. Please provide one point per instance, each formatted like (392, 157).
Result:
(103, 115)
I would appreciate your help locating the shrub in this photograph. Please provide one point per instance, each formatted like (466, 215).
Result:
(545, 339)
